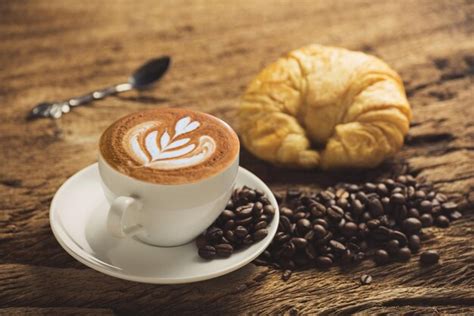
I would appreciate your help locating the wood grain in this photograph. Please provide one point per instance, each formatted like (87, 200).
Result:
(54, 49)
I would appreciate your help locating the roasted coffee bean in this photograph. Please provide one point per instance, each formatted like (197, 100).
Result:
(303, 226)
(402, 179)
(426, 220)
(381, 233)
(319, 231)
(227, 214)
(322, 222)
(335, 213)
(286, 275)
(426, 206)
(327, 195)
(260, 234)
(278, 197)
(397, 198)
(349, 229)
(393, 247)
(352, 188)
(309, 235)
(282, 237)
(381, 257)
(455, 215)
(370, 187)
(300, 215)
(260, 225)
(342, 203)
(285, 224)
(420, 195)
(442, 221)
(310, 251)
(449, 206)
(382, 189)
(318, 209)
(411, 225)
(230, 224)
(375, 208)
(361, 196)
(244, 221)
(229, 235)
(201, 241)
(269, 210)
(293, 193)
(373, 223)
(337, 246)
(240, 231)
(288, 249)
(400, 212)
(357, 207)
(285, 211)
(411, 192)
(257, 207)
(299, 242)
(404, 254)
(207, 252)
(414, 243)
(366, 216)
(401, 237)
(365, 279)
(214, 234)
(429, 257)
(323, 262)
(248, 240)
(413, 212)
(224, 250)
(244, 211)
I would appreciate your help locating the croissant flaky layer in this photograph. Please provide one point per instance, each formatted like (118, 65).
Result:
(351, 103)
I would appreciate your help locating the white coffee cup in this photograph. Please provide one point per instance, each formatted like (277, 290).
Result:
(164, 214)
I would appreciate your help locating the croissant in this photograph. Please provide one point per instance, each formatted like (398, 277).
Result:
(350, 104)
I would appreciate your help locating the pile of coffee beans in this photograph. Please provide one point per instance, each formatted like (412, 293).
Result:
(243, 222)
(348, 223)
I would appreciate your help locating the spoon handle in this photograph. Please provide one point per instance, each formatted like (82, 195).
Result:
(57, 109)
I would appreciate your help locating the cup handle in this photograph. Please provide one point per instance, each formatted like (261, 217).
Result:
(115, 219)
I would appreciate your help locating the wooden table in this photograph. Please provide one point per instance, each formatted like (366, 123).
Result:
(55, 49)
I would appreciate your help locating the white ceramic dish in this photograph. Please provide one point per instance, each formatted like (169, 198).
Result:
(78, 219)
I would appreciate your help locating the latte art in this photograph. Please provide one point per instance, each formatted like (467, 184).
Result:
(181, 149)
(169, 146)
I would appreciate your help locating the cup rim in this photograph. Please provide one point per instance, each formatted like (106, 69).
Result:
(214, 174)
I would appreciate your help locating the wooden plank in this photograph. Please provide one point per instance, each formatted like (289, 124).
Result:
(51, 50)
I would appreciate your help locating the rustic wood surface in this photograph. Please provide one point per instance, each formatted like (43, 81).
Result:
(55, 49)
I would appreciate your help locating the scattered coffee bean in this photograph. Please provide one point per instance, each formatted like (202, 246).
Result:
(260, 234)
(286, 275)
(207, 252)
(411, 225)
(442, 221)
(404, 254)
(426, 220)
(365, 279)
(224, 250)
(414, 243)
(381, 257)
(429, 257)
(345, 224)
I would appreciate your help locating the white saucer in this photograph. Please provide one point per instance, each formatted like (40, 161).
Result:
(77, 216)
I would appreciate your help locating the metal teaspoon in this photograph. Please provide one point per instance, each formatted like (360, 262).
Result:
(142, 78)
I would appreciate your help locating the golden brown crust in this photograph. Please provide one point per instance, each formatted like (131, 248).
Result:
(351, 102)
(114, 152)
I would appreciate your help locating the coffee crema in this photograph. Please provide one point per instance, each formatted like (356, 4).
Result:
(169, 146)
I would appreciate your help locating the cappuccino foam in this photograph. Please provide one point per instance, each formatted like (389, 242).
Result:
(169, 146)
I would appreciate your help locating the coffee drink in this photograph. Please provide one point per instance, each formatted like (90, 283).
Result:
(169, 146)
